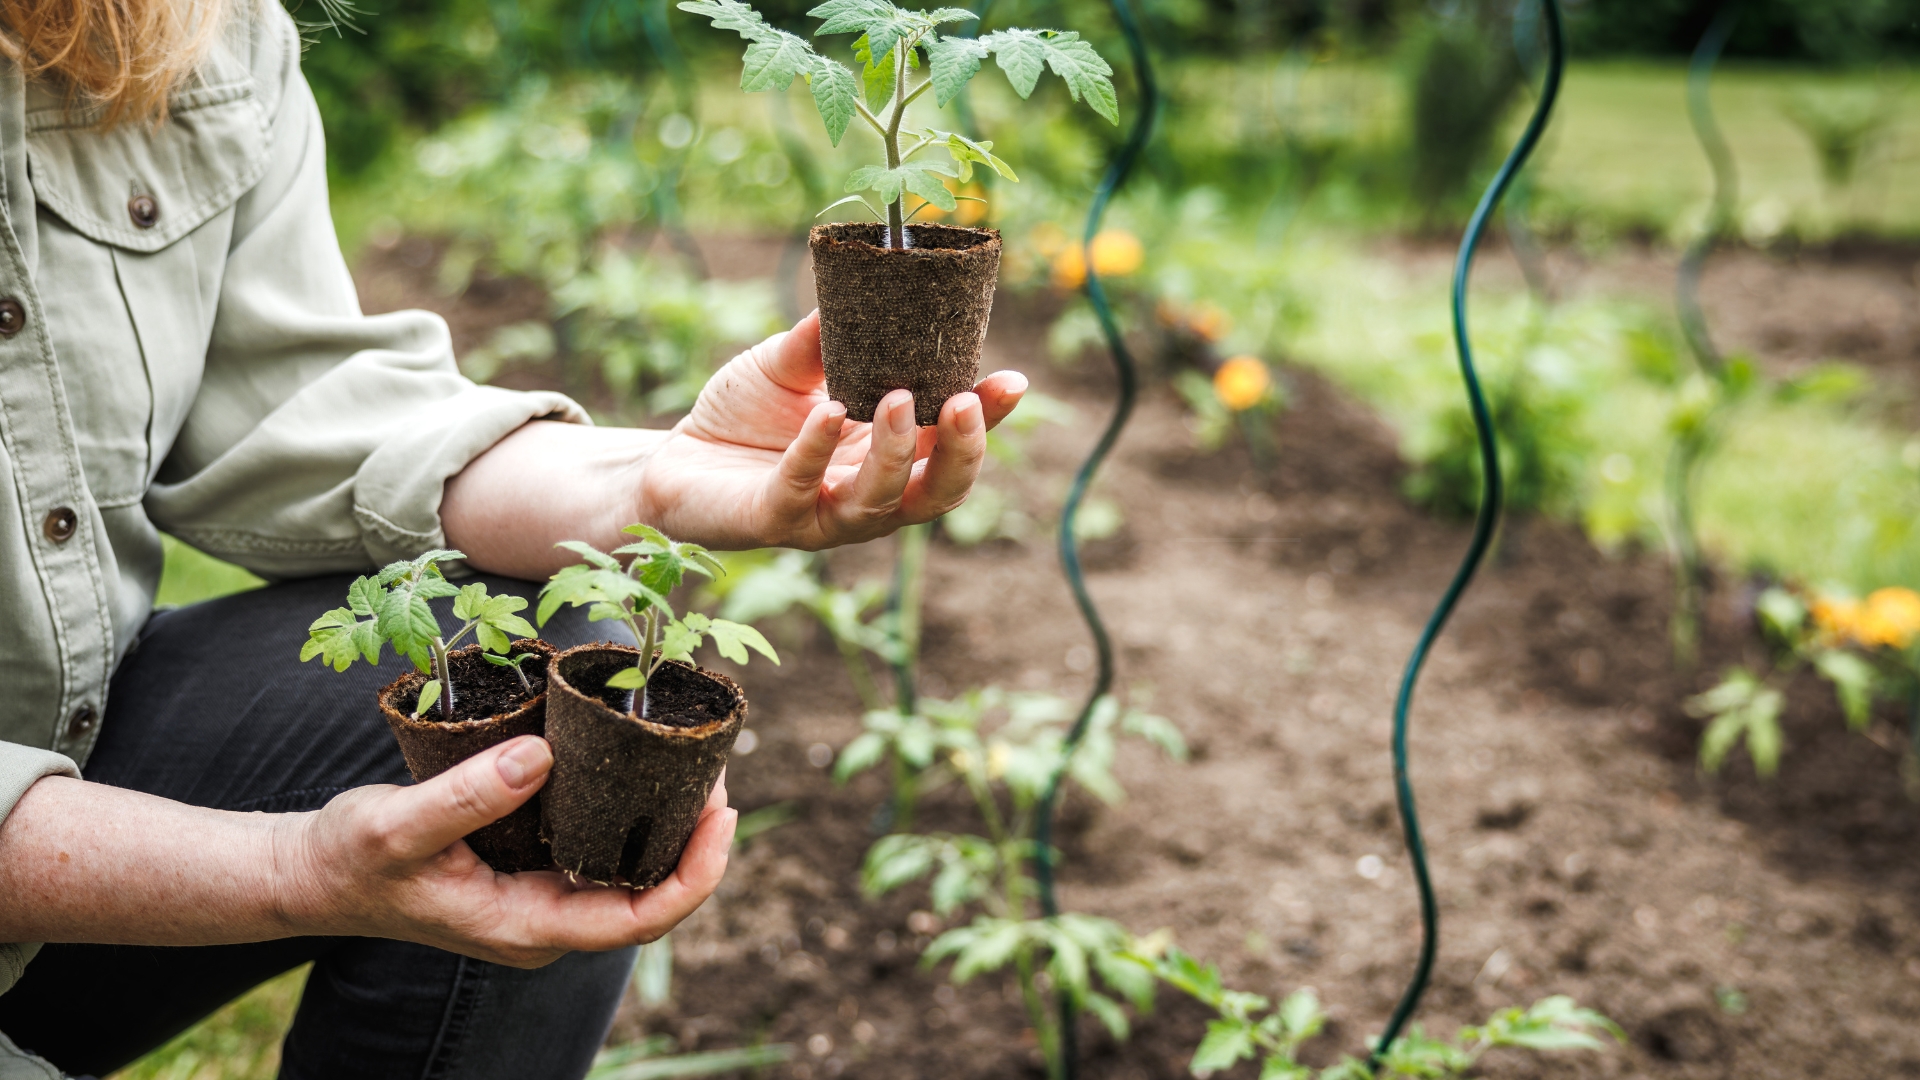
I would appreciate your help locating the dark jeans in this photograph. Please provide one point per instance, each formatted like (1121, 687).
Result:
(213, 708)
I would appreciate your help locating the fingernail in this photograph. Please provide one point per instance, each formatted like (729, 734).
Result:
(901, 419)
(525, 762)
(969, 418)
(836, 416)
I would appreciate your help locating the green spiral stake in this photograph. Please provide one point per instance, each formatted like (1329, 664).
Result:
(1694, 437)
(1124, 366)
(1491, 497)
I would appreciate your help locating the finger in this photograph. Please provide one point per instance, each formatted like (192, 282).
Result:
(794, 487)
(961, 434)
(420, 821)
(874, 492)
(792, 359)
(702, 865)
(999, 393)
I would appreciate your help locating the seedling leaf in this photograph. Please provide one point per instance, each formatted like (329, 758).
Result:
(952, 62)
(1023, 54)
(734, 639)
(835, 91)
(429, 694)
(627, 678)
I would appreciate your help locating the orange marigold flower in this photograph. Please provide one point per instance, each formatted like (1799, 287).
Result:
(1208, 322)
(1048, 239)
(1890, 617)
(1242, 382)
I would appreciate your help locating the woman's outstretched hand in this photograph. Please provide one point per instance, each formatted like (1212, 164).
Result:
(388, 862)
(765, 459)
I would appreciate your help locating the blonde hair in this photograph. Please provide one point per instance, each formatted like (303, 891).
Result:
(120, 57)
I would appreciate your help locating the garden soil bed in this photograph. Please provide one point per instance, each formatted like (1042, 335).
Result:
(1735, 928)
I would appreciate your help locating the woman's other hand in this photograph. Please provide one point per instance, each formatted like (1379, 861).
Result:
(388, 861)
(765, 459)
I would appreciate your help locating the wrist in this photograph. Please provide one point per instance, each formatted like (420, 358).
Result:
(302, 895)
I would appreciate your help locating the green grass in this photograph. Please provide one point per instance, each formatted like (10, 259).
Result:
(240, 1042)
(190, 576)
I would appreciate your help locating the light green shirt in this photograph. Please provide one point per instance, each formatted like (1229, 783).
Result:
(189, 355)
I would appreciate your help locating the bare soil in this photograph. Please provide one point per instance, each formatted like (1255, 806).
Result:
(1734, 927)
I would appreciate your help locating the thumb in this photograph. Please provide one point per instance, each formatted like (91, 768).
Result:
(792, 359)
(479, 791)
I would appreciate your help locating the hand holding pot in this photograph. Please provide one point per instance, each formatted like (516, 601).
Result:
(765, 459)
(388, 862)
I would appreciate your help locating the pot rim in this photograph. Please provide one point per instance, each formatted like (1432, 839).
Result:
(394, 690)
(556, 679)
(984, 238)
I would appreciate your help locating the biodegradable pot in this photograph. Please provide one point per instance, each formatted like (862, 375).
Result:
(626, 792)
(914, 318)
(432, 746)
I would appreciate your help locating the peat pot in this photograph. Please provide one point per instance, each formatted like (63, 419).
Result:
(914, 318)
(489, 708)
(625, 792)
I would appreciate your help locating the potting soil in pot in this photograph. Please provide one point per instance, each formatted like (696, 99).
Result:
(489, 708)
(913, 319)
(626, 793)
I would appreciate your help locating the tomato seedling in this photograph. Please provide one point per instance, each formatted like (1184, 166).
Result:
(636, 595)
(888, 50)
(392, 607)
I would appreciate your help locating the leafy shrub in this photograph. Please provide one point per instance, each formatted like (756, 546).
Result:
(1461, 78)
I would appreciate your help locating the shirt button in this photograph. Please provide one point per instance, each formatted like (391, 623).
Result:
(143, 210)
(81, 723)
(61, 524)
(13, 317)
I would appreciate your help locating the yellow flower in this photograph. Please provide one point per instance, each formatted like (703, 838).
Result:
(1836, 617)
(1117, 253)
(1241, 383)
(1069, 267)
(1204, 320)
(1890, 617)
(1048, 239)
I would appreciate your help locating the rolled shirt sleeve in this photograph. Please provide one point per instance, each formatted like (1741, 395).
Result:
(20, 768)
(320, 438)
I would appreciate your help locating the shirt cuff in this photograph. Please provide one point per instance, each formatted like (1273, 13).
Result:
(397, 492)
(20, 768)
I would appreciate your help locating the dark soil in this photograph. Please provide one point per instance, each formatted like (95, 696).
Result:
(676, 695)
(483, 691)
(1734, 927)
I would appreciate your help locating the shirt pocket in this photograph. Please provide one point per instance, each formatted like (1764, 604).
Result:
(134, 227)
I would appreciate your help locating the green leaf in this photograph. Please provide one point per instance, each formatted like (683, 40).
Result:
(854, 16)
(590, 553)
(1109, 1013)
(863, 753)
(1300, 1016)
(910, 175)
(952, 62)
(1126, 976)
(773, 65)
(1157, 730)
(469, 601)
(429, 694)
(363, 596)
(1852, 678)
(861, 199)
(678, 640)
(1068, 965)
(1227, 1042)
(339, 639)
(1548, 1038)
(835, 90)
(894, 861)
(921, 183)
(878, 79)
(648, 534)
(507, 661)
(1280, 1067)
(734, 639)
(954, 885)
(992, 950)
(732, 15)
(630, 678)
(1023, 53)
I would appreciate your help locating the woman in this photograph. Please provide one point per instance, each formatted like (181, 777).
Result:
(181, 349)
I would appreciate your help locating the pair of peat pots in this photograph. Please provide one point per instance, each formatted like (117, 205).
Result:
(624, 794)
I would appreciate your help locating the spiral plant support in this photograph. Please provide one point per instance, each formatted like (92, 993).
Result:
(1491, 496)
(1127, 370)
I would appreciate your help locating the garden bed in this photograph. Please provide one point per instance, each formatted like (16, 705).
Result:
(1734, 927)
